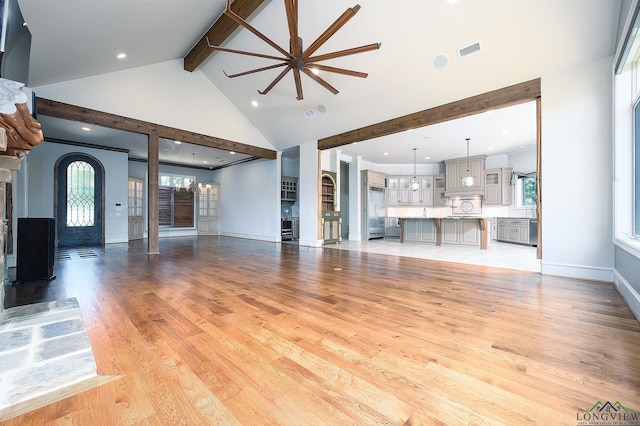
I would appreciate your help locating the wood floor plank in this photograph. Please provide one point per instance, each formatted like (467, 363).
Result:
(232, 331)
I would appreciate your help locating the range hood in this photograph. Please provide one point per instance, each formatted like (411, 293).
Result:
(464, 194)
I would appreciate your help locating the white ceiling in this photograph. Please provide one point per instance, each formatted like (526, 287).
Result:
(521, 40)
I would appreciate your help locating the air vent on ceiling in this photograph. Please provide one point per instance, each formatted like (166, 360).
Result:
(472, 49)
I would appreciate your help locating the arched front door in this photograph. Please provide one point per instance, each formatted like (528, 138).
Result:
(80, 201)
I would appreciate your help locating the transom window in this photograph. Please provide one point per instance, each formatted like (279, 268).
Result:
(175, 181)
(80, 194)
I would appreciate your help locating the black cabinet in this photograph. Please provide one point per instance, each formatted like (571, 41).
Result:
(35, 249)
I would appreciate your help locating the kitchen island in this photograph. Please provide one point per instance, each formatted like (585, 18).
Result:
(454, 230)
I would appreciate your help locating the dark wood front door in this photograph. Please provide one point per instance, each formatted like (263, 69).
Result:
(80, 201)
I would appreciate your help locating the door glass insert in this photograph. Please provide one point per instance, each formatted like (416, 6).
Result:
(80, 194)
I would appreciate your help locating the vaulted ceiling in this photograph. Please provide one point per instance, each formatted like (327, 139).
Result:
(417, 66)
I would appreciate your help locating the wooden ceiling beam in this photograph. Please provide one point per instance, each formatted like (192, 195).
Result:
(65, 111)
(512, 95)
(219, 32)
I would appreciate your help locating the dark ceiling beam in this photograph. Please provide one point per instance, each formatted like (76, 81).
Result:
(219, 32)
(65, 111)
(512, 95)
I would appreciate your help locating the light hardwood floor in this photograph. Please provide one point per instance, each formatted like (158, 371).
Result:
(219, 330)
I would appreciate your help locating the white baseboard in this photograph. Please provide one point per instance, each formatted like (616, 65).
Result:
(269, 238)
(629, 294)
(310, 243)
(577, 271)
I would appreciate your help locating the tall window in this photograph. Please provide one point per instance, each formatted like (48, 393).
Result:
(636, 168)
(80, 194)
(527, 190)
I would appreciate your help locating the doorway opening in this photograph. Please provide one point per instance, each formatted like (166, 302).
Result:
(79, 210)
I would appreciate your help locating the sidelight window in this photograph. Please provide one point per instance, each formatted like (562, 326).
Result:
(80, 194)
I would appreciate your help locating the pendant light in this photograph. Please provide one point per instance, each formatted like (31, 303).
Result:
(415, 182)
(468, 179)
(193, 187)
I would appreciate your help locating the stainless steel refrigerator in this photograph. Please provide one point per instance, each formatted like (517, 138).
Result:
(374, 212)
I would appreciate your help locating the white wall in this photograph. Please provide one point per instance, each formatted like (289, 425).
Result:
(250, 200)
(39, 166)
(161, 93)
(577, 172)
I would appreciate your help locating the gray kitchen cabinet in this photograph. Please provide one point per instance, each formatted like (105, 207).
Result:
(461, 232)
(331, 221)
(289, 189)
(420, 230)
(399, 188)
(514, 230)
(457, 168)
(439, 183)
(374, 178)
(400, 193)
(450, 232)
(424, 195)
(497, 186)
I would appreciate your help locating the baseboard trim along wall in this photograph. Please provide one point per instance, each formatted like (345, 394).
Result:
(577, 271)
(269, 238)
(629, 294)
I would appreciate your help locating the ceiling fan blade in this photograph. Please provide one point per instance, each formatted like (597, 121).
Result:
(291, 7)
(274, 82)
(243, 52)
(337, 70)
(333, 28)
(296, 78)
(255, 70)
(238, 20)
(320, 81)
(345, 52)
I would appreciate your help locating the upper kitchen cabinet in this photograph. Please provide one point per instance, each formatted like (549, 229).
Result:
(497, 186)
(439, 183)
(457, 168)
(424, 195)
(375, 179)
(399, 188)
(289, 189)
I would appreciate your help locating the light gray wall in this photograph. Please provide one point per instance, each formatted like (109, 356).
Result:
(250, 200)
(577, 238)
(39, 191)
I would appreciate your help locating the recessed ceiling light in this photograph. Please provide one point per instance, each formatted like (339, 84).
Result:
(86, 129)
(177, 142)
(121, 55)
(205, 162)
(427, 158)
(232, 152)
(386, 153)
(490, 148)
(316, 71)
(254, 104)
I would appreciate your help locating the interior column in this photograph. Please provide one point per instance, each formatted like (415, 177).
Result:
(153, 169)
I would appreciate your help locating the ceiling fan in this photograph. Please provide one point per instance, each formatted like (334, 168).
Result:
(298, 59)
